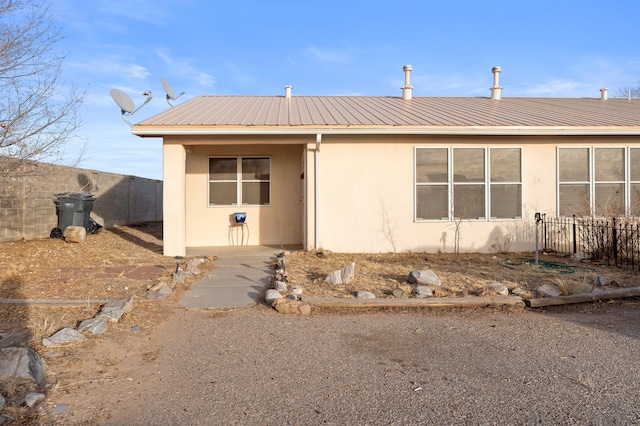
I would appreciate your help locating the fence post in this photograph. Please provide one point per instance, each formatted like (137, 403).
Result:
(575, 240)
(614, 241)
(544, 229)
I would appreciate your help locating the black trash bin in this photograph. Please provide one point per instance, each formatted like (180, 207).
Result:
(74, 209)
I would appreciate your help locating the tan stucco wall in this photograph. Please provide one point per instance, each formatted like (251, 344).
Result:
(367, 198)
(366, 193)
(275, 225)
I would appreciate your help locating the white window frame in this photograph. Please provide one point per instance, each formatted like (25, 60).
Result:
(592, 176)
(238, 181)
(451, 184)
(489, 183)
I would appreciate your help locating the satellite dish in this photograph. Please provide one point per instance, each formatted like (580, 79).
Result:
(127, 107)
(123, 100)
(171, 96)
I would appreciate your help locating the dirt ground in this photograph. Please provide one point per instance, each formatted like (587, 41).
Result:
(112, 265)
(127, 261)
(463, 275)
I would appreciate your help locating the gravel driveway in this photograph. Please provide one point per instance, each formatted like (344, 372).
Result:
(563, 365)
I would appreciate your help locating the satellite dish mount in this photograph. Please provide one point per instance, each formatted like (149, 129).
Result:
(127, 107)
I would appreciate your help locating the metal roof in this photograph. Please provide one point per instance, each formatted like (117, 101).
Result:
(213, 114)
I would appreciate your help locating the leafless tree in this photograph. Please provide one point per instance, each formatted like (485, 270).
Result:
(39, 113)
(626, 92)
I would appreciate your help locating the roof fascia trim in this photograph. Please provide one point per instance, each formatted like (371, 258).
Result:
(440, 131)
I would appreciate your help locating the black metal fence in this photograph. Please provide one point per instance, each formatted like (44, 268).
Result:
(614, 241)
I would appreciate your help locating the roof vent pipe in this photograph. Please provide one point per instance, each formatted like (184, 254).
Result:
(407, 88)
(287, 91)
(496, 89)
(604, 93)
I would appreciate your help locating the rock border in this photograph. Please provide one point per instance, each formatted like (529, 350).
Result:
(22, 366)
(435, 302)
(277, 292)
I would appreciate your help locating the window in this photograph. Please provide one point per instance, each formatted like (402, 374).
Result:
(239, 181)
(468, 183)
(506, 183)
(593, 181)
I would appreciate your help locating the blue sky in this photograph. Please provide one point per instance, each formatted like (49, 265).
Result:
(332, 47)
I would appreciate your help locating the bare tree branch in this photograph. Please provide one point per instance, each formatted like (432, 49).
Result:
(38, 114)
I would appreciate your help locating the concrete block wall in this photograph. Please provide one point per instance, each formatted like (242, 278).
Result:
(27, 208)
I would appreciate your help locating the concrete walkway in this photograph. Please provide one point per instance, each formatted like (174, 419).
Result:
(238, 280)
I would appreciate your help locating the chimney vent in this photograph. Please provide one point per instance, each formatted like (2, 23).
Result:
(407, 88)
(287, 91)
(496, 89)
(604, 93)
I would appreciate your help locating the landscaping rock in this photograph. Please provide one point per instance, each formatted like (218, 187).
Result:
(424, 277)
(18, 338)
(21, 365)
(271, 296)
(192, 265)
(549, 290)
(64, 336)
(75, 234)
(296, 293)
(94, 326)
(499, 289)
(287, 306)
(60, 408)
(343, 276)
(180, 276)
(363, 294)
(400, 293)
(160, 291)
(582, 288)
(600, 281)
(32, 398)
(113, 311)
(578, 257)
(518, 291)
(481, 292)
(280, 286)
(112, 315)
(422, 292)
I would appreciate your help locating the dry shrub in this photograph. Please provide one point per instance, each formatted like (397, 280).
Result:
(570, 286)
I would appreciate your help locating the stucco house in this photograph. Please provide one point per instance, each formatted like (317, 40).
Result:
(396, 173)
